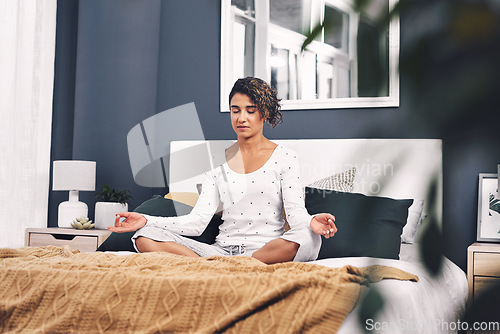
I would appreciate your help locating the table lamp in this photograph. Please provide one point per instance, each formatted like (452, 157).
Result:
(75, 176)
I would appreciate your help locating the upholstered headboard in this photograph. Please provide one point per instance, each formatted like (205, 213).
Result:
(397, 168)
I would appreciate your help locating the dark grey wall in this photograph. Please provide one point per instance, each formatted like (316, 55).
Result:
(64, 94)
(121, 61)
(105, 83)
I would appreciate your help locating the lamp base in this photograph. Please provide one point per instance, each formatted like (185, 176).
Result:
(70, 210)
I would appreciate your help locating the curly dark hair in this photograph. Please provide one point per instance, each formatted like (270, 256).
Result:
(263, 95)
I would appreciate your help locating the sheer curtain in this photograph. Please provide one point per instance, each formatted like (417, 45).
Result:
(27, 44)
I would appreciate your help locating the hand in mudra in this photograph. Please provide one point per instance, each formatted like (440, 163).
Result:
(133, 221)
(323, 224)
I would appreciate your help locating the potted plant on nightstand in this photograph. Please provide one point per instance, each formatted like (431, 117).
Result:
(110, 202)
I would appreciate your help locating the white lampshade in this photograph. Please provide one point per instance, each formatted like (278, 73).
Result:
(74, 175)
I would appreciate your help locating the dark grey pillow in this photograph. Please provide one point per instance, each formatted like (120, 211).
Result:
(367, 225)
(163, 207)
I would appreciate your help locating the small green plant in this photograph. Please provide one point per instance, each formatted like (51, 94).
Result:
(82, 223)
(108, 194)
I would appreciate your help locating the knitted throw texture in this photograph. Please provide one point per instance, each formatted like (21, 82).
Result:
(57, 290)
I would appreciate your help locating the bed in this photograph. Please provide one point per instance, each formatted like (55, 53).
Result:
(378, 169)
(383, 181)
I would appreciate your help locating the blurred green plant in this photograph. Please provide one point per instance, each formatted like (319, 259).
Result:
(370, 306)
(448, 57)
(450, 61)
(449, 65)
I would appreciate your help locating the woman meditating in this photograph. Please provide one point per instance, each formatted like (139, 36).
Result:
(258, 180)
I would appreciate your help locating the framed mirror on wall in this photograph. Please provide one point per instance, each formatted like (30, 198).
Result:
(352, 62)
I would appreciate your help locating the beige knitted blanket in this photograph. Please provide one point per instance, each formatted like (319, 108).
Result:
(57, 290)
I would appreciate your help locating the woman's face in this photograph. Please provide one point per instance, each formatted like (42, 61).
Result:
(245, 116)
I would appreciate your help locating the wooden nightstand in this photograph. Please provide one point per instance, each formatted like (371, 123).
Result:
(483, 269)
(83, 240)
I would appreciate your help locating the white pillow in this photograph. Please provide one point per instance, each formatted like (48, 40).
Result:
(415, 217)
(337, 182)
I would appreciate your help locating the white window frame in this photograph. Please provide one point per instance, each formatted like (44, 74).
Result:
(263, 42)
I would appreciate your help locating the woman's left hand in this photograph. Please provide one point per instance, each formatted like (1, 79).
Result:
(323, 224)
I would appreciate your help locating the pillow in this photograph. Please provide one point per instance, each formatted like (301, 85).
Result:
(164, 207)
(187, 198)
(367, 225)
(339, 182)
(415, 217)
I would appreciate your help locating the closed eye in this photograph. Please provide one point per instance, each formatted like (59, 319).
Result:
(249, 109)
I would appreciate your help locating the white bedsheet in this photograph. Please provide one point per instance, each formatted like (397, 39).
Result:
(431, 305)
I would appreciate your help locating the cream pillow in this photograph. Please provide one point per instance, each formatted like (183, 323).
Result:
(337, 182)
(187, 198)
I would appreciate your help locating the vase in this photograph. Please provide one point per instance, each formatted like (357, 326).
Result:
(105, 213)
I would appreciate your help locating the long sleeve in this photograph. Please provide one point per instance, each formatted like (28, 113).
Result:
(194, 223)
(296, 213)
(293, 193)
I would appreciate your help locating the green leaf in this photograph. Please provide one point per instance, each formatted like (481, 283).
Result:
(431, 248)
(312, 36)
(495, 207)
(370, 306)
(359, 5)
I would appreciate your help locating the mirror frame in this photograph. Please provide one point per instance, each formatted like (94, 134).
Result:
(336, 103)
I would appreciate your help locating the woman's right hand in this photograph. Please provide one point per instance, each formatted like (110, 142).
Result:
(133, 221)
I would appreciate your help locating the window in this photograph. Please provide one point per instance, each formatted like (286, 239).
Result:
(243, 46)
(350, 59)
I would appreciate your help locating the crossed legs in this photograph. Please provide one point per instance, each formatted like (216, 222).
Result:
(275, 251)
(144, 244)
